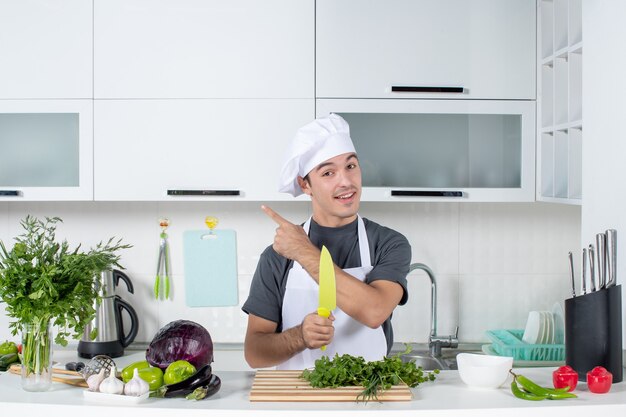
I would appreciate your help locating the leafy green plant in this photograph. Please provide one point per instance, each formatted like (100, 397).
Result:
(374, 376)
(43, 281)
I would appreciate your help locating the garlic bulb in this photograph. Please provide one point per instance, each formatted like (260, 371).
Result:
(112, 385)
(136, 387)
(94, 381)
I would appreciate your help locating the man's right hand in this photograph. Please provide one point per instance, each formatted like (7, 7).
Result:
(317, 331)
(290, 241)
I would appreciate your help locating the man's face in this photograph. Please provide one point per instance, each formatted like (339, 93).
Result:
(335, 190)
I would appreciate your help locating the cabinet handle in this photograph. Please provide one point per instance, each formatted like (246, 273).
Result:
(404, 193)
(182, 193)
(10, 193)
(417, 89)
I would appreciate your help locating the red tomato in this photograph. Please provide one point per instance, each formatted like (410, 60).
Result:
(599, 380)
(565, 376)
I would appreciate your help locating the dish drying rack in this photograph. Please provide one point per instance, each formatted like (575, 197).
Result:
(510, 343)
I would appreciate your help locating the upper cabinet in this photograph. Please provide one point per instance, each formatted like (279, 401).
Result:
(560, 110)
(204, 48)
(479, 49)
(46, 49)
(182, 150)
(46, 150)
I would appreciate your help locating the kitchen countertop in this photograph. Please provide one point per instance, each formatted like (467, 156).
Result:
(446, 396)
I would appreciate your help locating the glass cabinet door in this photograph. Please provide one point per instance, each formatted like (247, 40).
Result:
(412, 149)
(46, 150)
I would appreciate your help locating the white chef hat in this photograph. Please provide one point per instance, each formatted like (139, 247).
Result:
(314, 143)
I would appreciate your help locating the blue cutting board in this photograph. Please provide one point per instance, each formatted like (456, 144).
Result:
(210, 268)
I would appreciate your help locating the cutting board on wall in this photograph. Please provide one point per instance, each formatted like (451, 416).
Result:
(210, 268)
(287, 386)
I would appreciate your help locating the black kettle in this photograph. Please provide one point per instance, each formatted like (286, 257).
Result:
(110, 338)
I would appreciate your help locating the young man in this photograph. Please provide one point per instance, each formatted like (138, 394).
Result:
(371, 262)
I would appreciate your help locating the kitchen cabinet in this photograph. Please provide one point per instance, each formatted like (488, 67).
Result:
(442, 150)
(46, 150)
(46, 49)
(204, 49)
(190, 150)
(486, 49)
(560, 127)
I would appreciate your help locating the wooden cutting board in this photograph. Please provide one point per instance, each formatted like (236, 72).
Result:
(68, 377)
(287, 386)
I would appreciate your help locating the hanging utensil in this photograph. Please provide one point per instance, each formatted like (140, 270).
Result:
(611, 256)
(592, 269)
(571, 271)
(163, 264)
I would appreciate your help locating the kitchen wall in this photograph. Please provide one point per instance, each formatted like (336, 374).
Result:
(604, 148)
(494, 261)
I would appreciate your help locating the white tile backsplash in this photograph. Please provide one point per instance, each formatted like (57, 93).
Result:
(493, 261)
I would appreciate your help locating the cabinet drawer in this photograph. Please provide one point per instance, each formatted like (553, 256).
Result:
(485, 48)
(199, 150)
(204, 49)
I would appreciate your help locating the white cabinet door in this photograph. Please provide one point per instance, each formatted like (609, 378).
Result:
(46, 49)
(145, 148)
(46, 150)
(442, 150)
(204, 48)
(485, 47)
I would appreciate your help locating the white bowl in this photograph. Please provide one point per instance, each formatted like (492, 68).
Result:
(483, 371)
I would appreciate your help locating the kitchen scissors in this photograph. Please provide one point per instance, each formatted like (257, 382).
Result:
(163, 264)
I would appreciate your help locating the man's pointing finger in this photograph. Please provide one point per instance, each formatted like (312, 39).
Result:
(275, 216)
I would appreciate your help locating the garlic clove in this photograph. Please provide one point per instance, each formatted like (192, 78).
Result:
(112, 385)
(94, 381)
(136, 387)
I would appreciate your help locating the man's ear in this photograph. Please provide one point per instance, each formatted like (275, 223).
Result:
(304, 184)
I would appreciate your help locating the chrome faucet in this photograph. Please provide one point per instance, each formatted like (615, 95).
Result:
(435, 342)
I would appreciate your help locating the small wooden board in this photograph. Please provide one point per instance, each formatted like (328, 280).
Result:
(287, 386)
(72, 378)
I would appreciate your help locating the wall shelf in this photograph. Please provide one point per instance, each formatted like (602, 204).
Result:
(559, 96)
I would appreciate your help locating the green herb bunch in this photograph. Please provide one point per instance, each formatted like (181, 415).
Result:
(42, 280)
(375, 376)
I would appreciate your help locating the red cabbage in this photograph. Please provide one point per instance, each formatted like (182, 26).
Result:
(181, 340)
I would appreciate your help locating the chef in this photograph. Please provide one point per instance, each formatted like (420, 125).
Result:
(371, 262)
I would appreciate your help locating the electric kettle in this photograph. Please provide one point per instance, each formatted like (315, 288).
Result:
(110, 338)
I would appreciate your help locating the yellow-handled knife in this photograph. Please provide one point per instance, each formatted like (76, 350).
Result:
(328, 293)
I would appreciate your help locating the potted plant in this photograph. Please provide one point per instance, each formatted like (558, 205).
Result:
(44, 284)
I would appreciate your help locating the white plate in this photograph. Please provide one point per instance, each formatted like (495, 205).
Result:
(559, 323)
(532, 332)
(114, 398)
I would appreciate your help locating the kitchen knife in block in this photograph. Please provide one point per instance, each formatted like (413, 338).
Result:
(210, 260)
(328, 293)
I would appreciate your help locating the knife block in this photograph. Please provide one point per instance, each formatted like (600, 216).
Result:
(593, 332)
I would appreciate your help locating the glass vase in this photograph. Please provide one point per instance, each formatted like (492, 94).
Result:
(37, 356)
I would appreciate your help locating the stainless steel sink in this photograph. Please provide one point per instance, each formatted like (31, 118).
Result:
(428, 362)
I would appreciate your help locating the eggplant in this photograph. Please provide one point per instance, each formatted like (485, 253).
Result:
(201, 378)
(206, 391)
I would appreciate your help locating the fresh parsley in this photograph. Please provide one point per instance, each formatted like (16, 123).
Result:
(42, 280)
(375, 376)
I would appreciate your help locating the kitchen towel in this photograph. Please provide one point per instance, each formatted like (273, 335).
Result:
(210, 268)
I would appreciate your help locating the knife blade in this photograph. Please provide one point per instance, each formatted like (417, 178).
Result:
(601, 259)
(583, 284)
(327, 292)
(611, 257)
(592, 269)
(571, 272)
